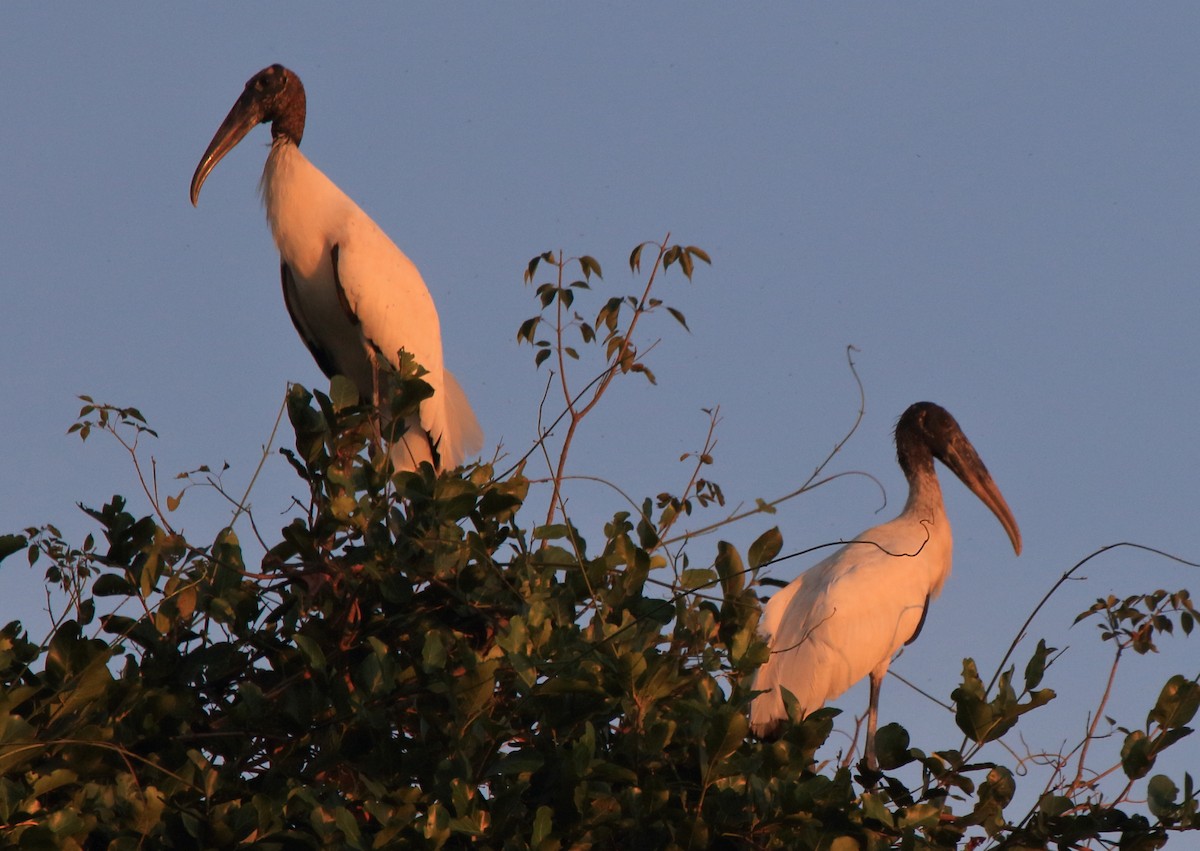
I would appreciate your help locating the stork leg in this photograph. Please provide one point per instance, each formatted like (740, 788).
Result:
(873, 715)
(376, 394)
(381, 416)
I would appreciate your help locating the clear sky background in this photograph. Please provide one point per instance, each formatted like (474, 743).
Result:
(998, 205)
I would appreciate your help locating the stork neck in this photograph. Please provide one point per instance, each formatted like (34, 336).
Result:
(916, 460)
(288, 124)
(924, 489)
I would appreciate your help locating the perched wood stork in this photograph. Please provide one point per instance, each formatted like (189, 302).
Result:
(846, 617)
(352, 294)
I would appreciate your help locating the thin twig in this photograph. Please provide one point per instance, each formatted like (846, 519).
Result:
(812, 482)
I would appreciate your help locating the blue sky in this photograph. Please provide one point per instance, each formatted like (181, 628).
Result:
(997, 205)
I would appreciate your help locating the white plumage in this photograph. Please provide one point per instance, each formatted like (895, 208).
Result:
(846, 617)
(353, 296)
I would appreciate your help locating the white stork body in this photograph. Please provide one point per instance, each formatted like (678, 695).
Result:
(381, 288)
(847, 616)
(352, 294)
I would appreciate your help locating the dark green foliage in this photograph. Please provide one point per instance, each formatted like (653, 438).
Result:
(412, 666)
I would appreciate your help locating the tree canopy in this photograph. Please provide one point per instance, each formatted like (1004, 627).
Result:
(419, 662)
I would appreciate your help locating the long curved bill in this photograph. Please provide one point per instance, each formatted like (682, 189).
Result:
(961, 457)
(246, 114)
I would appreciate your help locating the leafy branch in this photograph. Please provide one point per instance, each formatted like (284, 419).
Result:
(608, 330)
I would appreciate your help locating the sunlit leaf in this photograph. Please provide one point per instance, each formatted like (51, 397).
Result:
(1161, 792)
(694, 578)
(1137, 755)
(678, 317)
(766, 547)
(590, 266)
(763, 506)
(635, 259)
(528, 328)
(1177, 702)
(1035, 669)
(343, 393)
(730, 569)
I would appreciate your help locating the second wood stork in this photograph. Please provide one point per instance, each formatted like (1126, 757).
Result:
(846, 617)
(353, 296)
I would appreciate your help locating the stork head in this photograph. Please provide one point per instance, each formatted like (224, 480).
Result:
(274, 95)
(927, 431)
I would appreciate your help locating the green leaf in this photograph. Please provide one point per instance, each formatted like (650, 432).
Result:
(983, 720)
(924, 816)
(526, 332)
(694, 578)
(524, 761)
(10, 544)
(875, 809)
(764, 506)
(1161, 793)
(765, 547)
(495, 503)
(685, 263)
(1177, 703)
(1137, 755)
(343, 393)
(54, 780)
(730, 569)
(1035, 669)
(727, 735)
(635, 258)
(313, 654)
(543, 824)
(891, 746)
(551, 532)
(590, 267)
(1000, 786)
(532, 268)
(113, 585)
(433, 652)
(1054, 805)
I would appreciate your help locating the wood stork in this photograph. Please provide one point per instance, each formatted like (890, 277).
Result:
(846, 617)
(352, 294)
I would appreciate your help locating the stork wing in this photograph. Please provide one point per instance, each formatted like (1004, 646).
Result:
(291, 300)
(384, 293)
(832, 626)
